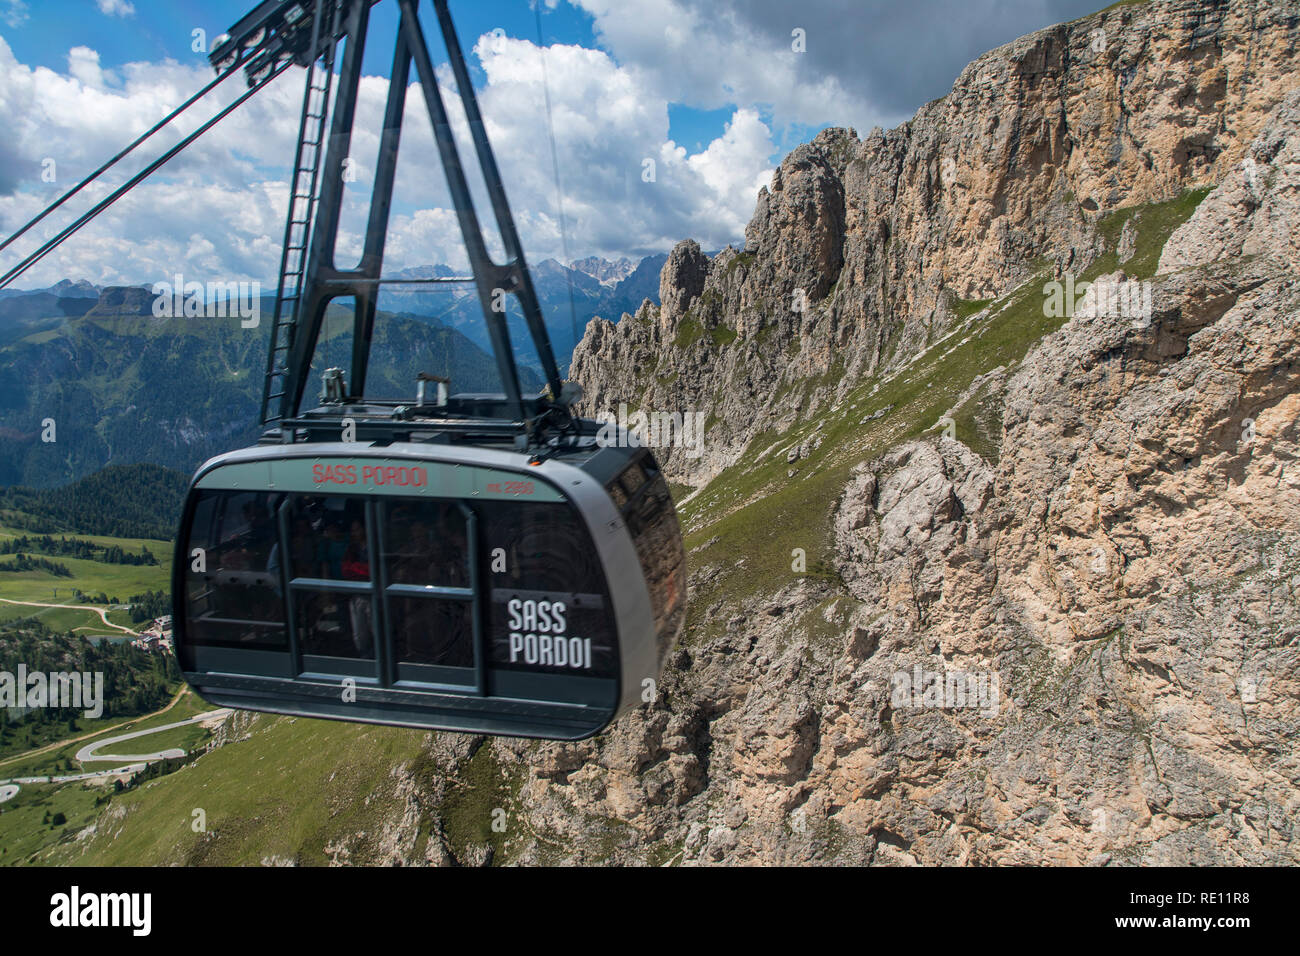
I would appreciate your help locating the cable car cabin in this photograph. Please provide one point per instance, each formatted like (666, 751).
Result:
(479, 562)
(429, 585)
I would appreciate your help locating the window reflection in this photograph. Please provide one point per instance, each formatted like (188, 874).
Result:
(329, 538)
(335, 624)
(544, 607)
(426, 542)
(432, 631)
(547, 611)
(232, 585)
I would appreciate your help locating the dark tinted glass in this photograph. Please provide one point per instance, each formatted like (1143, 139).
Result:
(431, 631)
(548, 610)
(426, 542)
(328, 538)
(232, 582)
(335, 623)
(633, 478)
(542, 607)
(652, 521)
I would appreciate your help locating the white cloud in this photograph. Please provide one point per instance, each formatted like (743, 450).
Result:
(83, 65)
(708, 56)
(606, 125)
(219, 207)
(14, 13)
(80, 118)
(864, 62)
(116, 8)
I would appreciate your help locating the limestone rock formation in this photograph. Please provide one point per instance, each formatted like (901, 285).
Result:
(1117, 595)
(1117, 592)
(1256, 207)
(863, 251)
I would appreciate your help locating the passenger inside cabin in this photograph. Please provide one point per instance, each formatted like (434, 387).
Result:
(355, 564)
(330, 550)
(427, 545)
(303, 547)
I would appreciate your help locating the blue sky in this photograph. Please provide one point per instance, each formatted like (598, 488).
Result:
(712, 93)
(160, 29)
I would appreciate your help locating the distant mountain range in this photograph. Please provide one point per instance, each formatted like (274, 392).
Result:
(62, 288)
(570, 297)
(603, 271)
(122, 386)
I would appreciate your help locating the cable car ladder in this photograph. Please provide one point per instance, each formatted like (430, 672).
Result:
(302, 207)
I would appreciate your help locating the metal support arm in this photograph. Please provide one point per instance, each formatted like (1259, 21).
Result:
(324, 282)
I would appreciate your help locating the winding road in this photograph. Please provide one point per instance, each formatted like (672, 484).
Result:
(90, 751)
(130, 763)
(60, 744)
(73, 777)
(103, 613)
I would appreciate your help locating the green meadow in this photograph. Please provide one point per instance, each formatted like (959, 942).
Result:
(90, 577)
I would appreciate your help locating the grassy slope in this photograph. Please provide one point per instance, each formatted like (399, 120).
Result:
(91, 577)
(85, 622)
(298, 785)
(760, 513)
(23, 830)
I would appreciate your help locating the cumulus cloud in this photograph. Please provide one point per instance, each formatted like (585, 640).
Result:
(606, 127)
(711, 55)
(864, 62)
(219, 207)
(83, 65)
(116, 8)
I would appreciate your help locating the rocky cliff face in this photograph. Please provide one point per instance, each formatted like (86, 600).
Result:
(864, 251)
(1113, 582)
(1116, 596)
